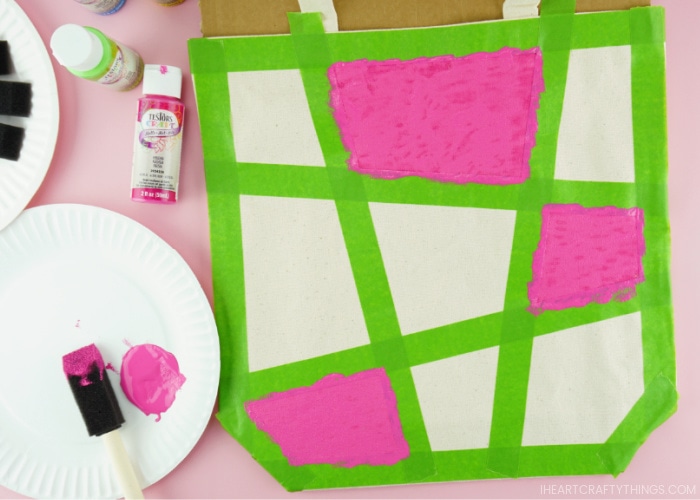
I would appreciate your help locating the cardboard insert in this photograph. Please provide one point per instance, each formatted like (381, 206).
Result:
(259, 17)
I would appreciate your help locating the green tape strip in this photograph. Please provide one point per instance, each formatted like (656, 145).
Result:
(309, 371)
(554, 7)
(368, 269)
(348, 189)
(518, 327)
(561, 460)
(225, 230)
(414, 43)
(587, 27)
(414, 190)
(554, 321)
(509, 407)
(595, 194)
(366, 262)
(656, 405)
(453, 340)
(651, 169)
(289, 181)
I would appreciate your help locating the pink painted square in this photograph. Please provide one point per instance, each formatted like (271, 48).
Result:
(450, 119)
(586, 255)
(340, 420)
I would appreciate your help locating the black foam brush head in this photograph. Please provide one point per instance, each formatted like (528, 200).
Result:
(4, 58)
(15, 98)
(11, 139)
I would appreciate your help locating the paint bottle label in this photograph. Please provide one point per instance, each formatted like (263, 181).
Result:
(157, 148)
(126, 70)
(102, 7)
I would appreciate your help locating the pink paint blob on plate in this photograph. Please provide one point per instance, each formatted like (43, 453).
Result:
(150, 378)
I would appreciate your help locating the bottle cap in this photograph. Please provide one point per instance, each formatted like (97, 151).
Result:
(162, 80)
(76, 48)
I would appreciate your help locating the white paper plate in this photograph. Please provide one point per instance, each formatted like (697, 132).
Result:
(19, 180)
(72, 275)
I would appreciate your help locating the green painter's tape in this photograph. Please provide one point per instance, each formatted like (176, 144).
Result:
(313, 56)
(368, 269)
(561, 460)
(516, 333)
(414, 190)
(656, 405)
(347, 187)
(647, 27)
(554, 7)
(311, 51)
(509, 407)
(286, 181)
(587, 28)
(367, 266)
(651, 168)
(221, 181)
(410, 44)
(453, 340)
(554, 321)
(595, 194)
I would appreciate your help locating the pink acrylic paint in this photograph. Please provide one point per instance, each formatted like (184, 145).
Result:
(340, 420)
(83, 363)
(586, 255)
(450, 119)
(150, 377)
(158, 140)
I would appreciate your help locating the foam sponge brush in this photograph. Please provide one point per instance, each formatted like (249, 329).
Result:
(87, 377)
(15, 98)
(11, 138)
(4, 58)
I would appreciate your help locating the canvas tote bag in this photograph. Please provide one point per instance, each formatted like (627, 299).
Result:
(440, 253)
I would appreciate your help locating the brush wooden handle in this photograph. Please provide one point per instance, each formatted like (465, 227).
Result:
(122, 465)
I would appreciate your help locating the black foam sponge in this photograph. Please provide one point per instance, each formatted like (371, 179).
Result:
(4, 58)
(11, 138)
(87, 376)
(15, 98)
(97, 402)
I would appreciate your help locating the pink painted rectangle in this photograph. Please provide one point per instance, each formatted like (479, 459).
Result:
(450, 119)
(586, 255)
(340, 420)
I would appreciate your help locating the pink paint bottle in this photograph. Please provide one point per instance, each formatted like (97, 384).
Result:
(158, 139)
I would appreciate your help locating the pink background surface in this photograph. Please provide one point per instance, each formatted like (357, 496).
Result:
(92, 165)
